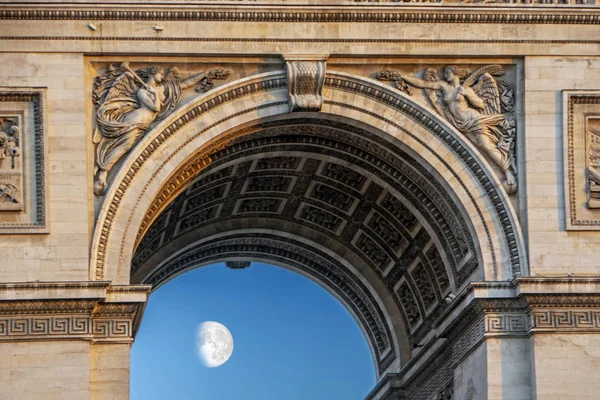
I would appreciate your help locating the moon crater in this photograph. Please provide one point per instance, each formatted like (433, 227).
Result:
(215, 344)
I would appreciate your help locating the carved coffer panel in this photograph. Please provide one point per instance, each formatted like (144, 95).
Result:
(581, 135)
(22, 161)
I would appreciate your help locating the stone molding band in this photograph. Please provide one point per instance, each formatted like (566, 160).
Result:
(447, 15)
(297, 40)
(112, 314)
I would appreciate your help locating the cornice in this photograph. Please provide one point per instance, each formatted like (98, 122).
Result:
(92, 319)
(92, 38)
(34, 307)
(17, 286)
(293, 13)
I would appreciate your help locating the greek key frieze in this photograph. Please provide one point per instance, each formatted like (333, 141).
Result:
(111, 328)
(40, 326)
(506, 323)
(557, 320)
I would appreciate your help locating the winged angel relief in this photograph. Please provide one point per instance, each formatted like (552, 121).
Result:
(475, 104)
(128, 102)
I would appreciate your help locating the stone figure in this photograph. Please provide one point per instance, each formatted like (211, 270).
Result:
(472, 102)
(9, 140)
(593, 170)
(128, 102)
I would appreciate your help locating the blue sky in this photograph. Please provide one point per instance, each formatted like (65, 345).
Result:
(292, 340)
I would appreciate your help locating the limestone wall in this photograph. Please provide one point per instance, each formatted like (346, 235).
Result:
(49, 370)
(565, 366)
(62, 254)
(552, 249)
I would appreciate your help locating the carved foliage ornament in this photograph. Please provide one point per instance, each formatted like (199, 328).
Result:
(129, 102)
(477, 104)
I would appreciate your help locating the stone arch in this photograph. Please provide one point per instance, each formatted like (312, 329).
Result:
(177, 151)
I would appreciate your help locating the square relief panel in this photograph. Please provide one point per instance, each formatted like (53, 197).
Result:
(22, 161)
(581, 144)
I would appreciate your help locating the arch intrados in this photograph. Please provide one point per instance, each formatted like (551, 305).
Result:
(382, 309)
(183, 239)
(123, 210)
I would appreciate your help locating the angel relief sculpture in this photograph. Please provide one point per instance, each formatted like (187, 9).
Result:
(475, 104)
(128, 102)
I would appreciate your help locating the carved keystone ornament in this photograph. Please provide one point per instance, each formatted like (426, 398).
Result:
(305, 78)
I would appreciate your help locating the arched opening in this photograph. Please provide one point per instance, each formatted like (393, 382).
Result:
(292, 339)
(375, 198)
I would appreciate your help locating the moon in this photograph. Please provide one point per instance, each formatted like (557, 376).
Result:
(215, 344)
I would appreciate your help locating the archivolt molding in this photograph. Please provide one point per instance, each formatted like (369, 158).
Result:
(274, 81)
(222, 96)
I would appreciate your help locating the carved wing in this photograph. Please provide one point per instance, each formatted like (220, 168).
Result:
(487, 89)
(114, 86)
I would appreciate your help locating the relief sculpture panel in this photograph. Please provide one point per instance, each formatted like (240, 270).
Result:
(129, 102)
(23, 207)
(11, 167)
(476, 102)
(581, 146)
(593, 160)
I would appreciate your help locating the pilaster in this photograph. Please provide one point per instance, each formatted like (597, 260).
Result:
(50, 332)
(532, 338)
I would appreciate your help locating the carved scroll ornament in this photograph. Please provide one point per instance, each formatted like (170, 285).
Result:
(128, 102)
(475, 103)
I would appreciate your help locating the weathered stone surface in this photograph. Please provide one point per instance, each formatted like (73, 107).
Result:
(397, 196)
